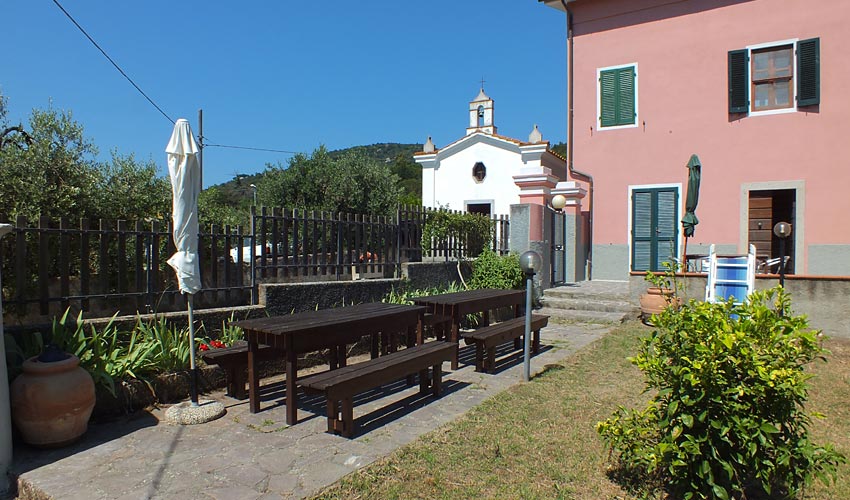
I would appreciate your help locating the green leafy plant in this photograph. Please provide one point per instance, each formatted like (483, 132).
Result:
(728, 419)
(230, 334)
(171, 348)
(492, 271)
(20, 348)
(405, 295)
(666, 280)
(474, 230)
(103, 353)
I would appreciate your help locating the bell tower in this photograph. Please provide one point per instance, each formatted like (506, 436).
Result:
(481, 114)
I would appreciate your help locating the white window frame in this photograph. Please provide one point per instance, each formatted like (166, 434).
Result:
(750, 48)
(599, 71)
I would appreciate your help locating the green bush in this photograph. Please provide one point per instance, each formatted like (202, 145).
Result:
(492, 271)
(474, 231)
(728, 419)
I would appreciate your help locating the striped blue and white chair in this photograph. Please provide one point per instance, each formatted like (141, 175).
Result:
(730, 276)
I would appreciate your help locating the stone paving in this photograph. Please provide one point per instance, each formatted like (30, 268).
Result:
(256, 456)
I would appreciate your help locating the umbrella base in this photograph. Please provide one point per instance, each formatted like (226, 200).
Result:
(187, 414)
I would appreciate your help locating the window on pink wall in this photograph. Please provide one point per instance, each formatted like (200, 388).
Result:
(774, 77)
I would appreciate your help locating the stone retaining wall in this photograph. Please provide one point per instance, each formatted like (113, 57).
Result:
(825, 300)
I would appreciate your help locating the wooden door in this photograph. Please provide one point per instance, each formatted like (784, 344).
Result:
(761, 223)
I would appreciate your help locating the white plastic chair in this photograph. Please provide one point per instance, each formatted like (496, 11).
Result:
(730, 276)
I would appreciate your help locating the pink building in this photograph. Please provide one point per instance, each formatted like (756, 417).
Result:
(751, 86)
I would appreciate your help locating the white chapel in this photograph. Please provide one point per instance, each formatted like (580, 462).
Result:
(484, 172)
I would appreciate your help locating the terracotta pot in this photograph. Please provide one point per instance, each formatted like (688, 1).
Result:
(655, 300)
(52, 401)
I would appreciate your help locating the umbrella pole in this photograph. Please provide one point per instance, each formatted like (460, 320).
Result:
(193, 384)
(685, 254)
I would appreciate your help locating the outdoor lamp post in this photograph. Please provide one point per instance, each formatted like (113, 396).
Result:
(530, 263)
(558, 202)
(782, 230)
(254, 188)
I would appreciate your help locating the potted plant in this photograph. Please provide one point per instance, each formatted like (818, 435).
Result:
(662, 294)
(52, 399)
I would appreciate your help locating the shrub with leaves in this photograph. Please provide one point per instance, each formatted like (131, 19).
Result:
(728, 419)
(492, 271)
(107, 354)
(171, 348)
(473, 232)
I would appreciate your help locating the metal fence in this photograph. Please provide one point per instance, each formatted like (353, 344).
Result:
(103, 266)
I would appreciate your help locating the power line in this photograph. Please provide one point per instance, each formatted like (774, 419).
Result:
(110, 60)
(252, 149)
(146, 96)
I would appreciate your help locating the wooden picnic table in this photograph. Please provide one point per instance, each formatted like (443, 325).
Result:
(311, 331)
(456, 305)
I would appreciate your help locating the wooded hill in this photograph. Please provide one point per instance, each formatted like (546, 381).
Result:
(398, 156)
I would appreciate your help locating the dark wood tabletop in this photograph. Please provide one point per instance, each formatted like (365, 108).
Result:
(323, 329)
(456, 305)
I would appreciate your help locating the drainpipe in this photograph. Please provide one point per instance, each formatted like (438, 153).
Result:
(573, 172)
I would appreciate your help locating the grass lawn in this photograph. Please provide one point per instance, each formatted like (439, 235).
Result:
(538, 440)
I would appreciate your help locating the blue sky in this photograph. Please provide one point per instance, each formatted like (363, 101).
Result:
(285, 75)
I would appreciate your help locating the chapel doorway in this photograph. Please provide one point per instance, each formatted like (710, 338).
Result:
(479, 208)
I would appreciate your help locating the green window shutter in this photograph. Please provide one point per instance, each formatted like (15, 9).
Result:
(642, 230)
(626, 94)
(608, 98)
(617, 97)
(654, 228)
(739, 76)
(667, 226)
(808, 72)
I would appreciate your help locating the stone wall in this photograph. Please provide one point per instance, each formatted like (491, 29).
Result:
(286, 298)
(825, 300)
(421, 275)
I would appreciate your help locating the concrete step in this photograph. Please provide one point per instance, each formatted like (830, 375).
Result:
(587, 303)
(580, 316)
(584, 292)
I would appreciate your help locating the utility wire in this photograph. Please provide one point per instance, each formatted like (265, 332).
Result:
(252, 149)
(146, 96)
(110, 60)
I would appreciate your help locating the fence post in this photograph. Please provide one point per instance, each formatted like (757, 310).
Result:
(43, 249)
(20, 263)
(141, 263)
(85, 271)
(252, 238)
(338, 246)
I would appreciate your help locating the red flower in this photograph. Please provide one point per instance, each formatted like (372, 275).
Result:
(204, 347)
(217, 344)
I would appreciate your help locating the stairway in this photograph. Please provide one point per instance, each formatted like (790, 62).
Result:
(606, 302)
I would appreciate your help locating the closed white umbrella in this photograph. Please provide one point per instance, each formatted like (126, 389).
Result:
(185, 172)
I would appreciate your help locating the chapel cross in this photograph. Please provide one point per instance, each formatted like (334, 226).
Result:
(482, 83)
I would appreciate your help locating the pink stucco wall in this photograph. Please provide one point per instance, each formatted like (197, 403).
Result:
(681, 51)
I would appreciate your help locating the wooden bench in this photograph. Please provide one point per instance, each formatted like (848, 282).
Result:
(341, 385)
(438, 324)
(489, 337)
(234, 361)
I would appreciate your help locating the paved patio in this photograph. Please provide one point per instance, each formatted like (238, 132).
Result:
(256, 456)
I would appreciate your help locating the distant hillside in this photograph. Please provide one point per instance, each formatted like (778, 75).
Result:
(400, 156)
(386, 152)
